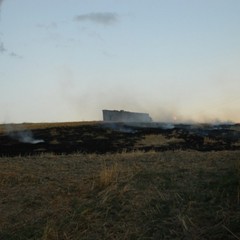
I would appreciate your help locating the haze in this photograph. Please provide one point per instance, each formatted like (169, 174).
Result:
(67, 60)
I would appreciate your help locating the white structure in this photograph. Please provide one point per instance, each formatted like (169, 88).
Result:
(124, 116)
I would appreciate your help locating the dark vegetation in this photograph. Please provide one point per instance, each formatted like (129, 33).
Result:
(116, 137)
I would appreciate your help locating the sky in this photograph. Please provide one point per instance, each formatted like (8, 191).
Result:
(177, 60)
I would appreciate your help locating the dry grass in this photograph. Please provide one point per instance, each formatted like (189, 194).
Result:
(54, 141)
(209, 141)
(44, 125)
(235, 127)
(237, 144)
(157, 140)
(169, 195)
(108, 175)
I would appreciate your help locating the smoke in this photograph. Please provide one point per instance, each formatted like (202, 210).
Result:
(26, 136)
(85, 98)
(120, 127)
(20, 134)
(104, 18)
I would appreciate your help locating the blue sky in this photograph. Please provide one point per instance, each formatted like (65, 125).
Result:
(63, 60)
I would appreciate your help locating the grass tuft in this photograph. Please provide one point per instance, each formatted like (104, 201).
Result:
(108, 175)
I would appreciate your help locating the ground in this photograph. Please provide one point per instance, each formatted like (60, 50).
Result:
(100, 137)
(119, 181)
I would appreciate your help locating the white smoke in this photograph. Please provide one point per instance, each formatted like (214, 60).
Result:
(26, 136)
(20, 134)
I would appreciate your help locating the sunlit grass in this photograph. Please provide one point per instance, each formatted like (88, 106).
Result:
(157, 140)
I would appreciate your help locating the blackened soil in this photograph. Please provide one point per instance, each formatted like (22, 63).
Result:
(110, 138)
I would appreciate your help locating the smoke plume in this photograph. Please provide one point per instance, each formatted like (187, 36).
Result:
(20, 134)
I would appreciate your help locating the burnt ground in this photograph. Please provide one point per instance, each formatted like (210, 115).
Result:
(117, 137)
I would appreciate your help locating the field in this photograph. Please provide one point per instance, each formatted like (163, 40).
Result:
(118, 181)
(100, 137)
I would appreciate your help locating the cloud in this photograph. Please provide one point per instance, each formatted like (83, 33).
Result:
(1, 1)
(2, 48)
(50, 26)
(104, 18)
(13, 54)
